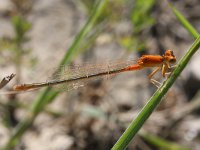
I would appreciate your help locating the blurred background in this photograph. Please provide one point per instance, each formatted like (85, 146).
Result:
(35, 35)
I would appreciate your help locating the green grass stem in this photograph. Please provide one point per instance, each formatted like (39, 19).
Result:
(48, 94)
(162, 143)
(147, 110)
(156, 98)
(184, 22)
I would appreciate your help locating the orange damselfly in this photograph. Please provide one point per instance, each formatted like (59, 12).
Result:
(161, 62)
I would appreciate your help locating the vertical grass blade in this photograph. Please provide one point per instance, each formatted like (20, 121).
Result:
(48, 95)
(184, 22)
(136, 124)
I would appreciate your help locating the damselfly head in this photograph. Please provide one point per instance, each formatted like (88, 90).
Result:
(169, 56)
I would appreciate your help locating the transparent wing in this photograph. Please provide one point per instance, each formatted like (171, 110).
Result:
(73, 77)
(83, 74)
